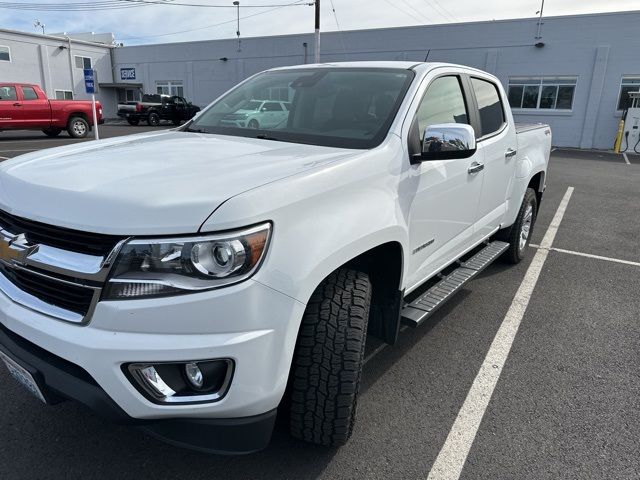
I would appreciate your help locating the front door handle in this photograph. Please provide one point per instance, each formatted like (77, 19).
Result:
(510, 153)
(17, 104)
(475, 167)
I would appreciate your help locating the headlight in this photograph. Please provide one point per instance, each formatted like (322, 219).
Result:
(160, 267)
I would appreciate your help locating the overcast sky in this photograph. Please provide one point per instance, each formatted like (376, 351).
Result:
(172, 23)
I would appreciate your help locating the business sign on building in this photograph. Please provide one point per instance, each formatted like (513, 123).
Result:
(127, 74)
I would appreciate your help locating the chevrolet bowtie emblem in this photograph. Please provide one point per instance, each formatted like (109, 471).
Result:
(14, 250)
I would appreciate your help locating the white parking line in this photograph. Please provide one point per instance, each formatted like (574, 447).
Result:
(4, 158)
(591, 255)
(453, 455)
(626, 159)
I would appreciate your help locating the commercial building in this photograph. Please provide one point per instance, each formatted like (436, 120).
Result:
(573, 72)
(56, 63)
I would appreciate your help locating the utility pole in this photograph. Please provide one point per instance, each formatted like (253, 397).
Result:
(541, 11)
(237, 4)
(317, 2)
(38, 23)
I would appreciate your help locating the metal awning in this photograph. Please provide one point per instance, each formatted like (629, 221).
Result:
(120, 85)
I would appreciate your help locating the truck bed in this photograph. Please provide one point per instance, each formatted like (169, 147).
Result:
(525, 127)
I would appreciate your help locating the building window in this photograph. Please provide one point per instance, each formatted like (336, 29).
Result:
(83, 62)
(628, 84)
(64, 95)
(542, 93)
(170, 88)
(5, 54)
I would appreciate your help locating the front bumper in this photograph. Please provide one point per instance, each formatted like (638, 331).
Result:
(250, 323)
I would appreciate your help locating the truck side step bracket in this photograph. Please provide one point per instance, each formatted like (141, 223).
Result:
(416, 312)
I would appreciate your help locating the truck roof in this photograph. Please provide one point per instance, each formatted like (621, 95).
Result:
(404, 65)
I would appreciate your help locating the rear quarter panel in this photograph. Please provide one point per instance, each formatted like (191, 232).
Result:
(534, 150)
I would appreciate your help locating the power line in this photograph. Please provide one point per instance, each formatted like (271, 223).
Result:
(200, 5)
(426, 18)
(399, 8)
(299, 2)
(122, 4)
(441, 10)
(335, 15)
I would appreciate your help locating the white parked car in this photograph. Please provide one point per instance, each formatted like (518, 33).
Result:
(257, 114)
(182, 280)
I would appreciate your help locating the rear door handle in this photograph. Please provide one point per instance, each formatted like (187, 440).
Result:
(510, 153)
(17, 104)
(475, 167)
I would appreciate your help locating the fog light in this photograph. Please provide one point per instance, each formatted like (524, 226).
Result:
(194, 375)
(200, 381)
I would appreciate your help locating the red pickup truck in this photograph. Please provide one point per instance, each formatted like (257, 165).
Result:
(26, 107)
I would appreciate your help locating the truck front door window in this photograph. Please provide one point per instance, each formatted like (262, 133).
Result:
(442, 103)
(8, 94)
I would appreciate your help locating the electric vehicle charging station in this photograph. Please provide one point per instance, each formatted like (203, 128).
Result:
(631, 133)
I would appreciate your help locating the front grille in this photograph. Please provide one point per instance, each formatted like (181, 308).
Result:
(64, 238)
(74, 298)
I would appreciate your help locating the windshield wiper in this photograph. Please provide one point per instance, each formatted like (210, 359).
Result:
(264, 136)
(194, 130)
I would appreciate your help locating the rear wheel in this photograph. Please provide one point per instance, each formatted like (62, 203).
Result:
(519, 235)
(52, 131)
(328, 361)
(153, 120)
(78, 127)
(133, 121)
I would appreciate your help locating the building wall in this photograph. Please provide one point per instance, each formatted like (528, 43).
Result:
(39, 59)
(597, 49)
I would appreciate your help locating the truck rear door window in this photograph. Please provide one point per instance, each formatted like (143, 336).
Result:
(489, 106)
(28, 93)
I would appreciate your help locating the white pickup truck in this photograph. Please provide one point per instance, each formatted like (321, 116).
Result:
(195, 281)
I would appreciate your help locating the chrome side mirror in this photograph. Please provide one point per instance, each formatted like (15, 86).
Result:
(448, 141)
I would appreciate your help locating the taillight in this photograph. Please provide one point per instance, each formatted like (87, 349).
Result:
(138, 107)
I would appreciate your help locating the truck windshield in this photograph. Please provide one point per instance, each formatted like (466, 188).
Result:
(337, 107)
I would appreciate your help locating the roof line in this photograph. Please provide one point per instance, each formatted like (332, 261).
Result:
(54, 37)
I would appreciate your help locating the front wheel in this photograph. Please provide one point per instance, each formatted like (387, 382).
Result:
(78, 127)
(133, 121)
(519, 235)
(328, 361)
(253, 124)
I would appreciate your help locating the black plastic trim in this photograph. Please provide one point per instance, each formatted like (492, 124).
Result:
(60, 379)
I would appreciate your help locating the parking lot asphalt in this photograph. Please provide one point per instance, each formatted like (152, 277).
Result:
(566, 404)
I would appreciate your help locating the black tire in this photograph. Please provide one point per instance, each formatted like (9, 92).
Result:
(133, 121)
(327, 365)
(176, 121)
(78, 127)
(52, 132)
(153, 119)
(253, 123)
(516, 233)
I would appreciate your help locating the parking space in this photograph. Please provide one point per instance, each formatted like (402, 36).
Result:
(14, 143)
(565, 403)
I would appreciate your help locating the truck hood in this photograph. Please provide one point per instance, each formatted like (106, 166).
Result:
(150, 184)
